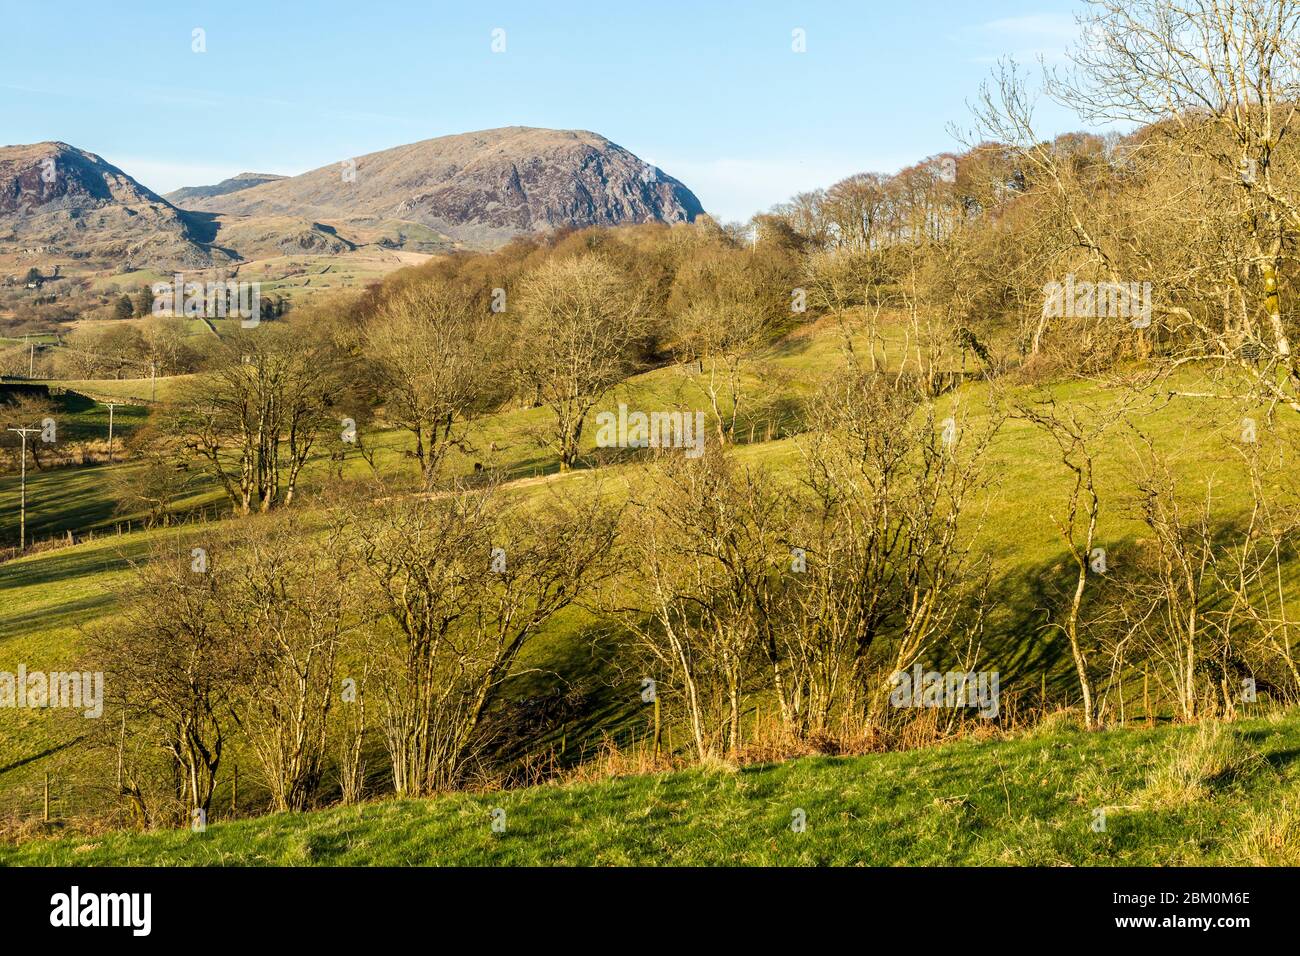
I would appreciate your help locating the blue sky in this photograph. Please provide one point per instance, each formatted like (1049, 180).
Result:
(710, 91)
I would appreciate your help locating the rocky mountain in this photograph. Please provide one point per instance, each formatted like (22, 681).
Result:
(234, 184)
(60, 202)
(476, 189)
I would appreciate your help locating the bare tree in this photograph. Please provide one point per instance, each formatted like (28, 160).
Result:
(289, 601)
(739, 303)
(1079, 432)
(463, 583)
(889, 574)
(856, 206)
(255, 419)
(174, 670)
(156, 483)
(580, 326)
(1211, 67)
(1181, 578)
(24, 411)
(705, 542)
(1214, 86)
(427, 345)
(1253, 571)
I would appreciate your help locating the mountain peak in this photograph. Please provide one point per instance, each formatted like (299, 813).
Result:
(477, 189)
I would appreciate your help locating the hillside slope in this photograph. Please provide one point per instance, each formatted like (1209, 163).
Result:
(53, 598)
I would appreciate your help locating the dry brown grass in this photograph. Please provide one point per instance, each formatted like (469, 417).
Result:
(1272, 835)
(1195, 766)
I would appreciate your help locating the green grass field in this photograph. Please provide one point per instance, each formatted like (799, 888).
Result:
(1168, 796)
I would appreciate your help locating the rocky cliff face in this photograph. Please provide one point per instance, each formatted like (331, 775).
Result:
(477, 188)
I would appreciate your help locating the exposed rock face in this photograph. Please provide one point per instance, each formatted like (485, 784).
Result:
(71, 202)
(259, 237)
(479, 188)
(186, 194)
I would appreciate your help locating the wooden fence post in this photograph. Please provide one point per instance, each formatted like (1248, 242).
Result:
(657, 727)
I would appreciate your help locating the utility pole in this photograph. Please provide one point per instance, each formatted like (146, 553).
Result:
(111, 406)
(22, 506)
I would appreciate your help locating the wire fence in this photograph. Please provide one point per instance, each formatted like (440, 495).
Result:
(198, 515)
(58, 801)
(66, 801)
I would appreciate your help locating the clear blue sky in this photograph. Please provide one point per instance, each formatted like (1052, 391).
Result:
(708, 90)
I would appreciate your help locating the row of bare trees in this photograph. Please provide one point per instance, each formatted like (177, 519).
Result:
(746, 589)
(432, 352)
(400, 619)
(415, 609)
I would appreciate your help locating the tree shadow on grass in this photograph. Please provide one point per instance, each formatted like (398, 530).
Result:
(48, 752)
(566, 705)
(66, 569)
(67, 614)
(1277, 759)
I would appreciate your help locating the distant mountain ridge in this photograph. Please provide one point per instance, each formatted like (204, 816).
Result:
(475, 190)
(478, 188)
(185, 194)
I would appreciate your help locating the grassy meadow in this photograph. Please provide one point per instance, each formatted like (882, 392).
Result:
(1167, 796)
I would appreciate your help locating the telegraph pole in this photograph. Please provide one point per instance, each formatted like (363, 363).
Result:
(111, 406)
(22, 507)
